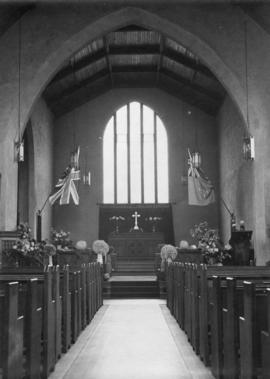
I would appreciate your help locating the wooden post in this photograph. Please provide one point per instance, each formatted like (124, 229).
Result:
(216, 328)
(230, 321)
(58, 312)
(48, 325)
(247, 324)
(83, 285)
(195, 309)
(33, 327)
(203, 314)
(181, 296)
(74, 307)
(79, 289)
(265, 341)
(66, 296)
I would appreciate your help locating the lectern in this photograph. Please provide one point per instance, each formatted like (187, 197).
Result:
(240, 242)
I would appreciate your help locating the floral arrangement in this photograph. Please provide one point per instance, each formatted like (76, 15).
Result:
(168, 252)
(100, 247)
(61, 238)
(210, 244)
(27, 247)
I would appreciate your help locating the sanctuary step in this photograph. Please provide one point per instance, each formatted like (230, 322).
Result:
(131, 267)
(127, 287)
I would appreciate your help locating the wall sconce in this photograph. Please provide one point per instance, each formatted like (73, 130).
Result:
(249, 148)
(87, 178)
(196, 159)
(19, 151)
(74, 158)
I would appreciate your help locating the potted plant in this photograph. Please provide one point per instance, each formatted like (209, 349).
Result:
(61, 239)
(210, 244)
(26, 251)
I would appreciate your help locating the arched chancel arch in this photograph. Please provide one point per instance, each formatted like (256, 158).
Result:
(68, 42)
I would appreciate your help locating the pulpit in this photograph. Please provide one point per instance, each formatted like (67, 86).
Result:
(135, 244)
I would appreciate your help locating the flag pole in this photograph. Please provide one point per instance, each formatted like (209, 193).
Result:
(229, 211)
(39, 220)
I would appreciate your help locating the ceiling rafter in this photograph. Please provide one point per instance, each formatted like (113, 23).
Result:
(134, 59)
(93, 90)
(53, 98)
(161, 48)
(81, 64)
(108, 61)
(185, 82)
(182, 82)
(132, 50)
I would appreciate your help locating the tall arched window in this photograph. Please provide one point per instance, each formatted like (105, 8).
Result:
(135, 157)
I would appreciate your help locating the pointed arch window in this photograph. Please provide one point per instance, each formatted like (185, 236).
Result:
(135, 157)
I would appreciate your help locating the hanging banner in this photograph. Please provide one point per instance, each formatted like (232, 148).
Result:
(200, 189)
(67, 188)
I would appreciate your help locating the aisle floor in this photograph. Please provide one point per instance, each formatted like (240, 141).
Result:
(131, 339)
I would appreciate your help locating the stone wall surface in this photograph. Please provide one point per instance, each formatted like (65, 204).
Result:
(88, 122)
(236, 174)
(42, 128)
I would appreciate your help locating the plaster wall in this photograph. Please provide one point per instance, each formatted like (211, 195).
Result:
(89, 121)
(42, 167)
(236, 174)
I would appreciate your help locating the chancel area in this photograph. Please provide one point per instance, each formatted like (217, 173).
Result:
(134, 189)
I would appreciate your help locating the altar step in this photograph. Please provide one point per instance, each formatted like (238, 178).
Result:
(136, 266)
(128, 287)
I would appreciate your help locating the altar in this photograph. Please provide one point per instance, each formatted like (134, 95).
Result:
(136, 244)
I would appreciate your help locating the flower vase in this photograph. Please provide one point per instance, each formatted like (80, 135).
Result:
(212, 261)
(50, 261)
(100, 258)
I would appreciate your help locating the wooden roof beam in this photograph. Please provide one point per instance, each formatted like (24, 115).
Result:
(161, 48)
(179, 83)
(132, 50)
(214, 96)
(99, 75)
(105, 42)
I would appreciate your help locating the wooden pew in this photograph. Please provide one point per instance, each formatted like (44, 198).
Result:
(205, 274)
(32, 313)
(265, 341)
(237, 316)
(58, 307)
(200, 294)
(11, 358)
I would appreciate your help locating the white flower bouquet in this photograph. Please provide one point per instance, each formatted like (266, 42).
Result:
(100, 247)
(168, 252)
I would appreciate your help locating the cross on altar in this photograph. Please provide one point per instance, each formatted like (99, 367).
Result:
(136, 216)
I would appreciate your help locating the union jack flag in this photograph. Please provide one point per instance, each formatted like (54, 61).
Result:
(67, 187)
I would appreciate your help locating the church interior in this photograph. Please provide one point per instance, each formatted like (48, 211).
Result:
(134, 189)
